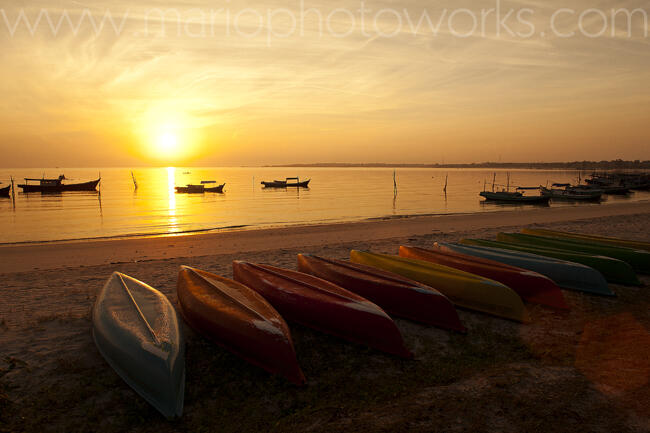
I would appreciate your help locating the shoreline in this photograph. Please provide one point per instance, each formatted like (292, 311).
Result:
(53, 255)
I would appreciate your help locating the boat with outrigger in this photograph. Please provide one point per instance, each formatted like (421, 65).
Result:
(564, 191)
(44, 185)
(287, 183)
(505, 196)
(200, 189)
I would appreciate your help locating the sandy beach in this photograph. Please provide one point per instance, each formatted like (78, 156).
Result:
(583, 370)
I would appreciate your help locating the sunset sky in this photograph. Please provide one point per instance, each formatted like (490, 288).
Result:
(227, 90)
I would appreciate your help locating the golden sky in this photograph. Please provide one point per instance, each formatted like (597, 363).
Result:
(250, 82)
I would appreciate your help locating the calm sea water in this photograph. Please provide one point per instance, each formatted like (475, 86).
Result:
(335, 194)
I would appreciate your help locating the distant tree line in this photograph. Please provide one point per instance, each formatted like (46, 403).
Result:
(616, 164)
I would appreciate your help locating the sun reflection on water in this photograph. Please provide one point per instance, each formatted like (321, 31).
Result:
(172, 222)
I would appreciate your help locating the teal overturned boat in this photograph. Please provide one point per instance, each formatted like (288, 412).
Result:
(568, 275)
(614, 270)
(136, 330)
(638, 259)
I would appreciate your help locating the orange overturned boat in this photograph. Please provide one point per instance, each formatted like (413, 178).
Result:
(323, 306)
(56, 185)
(397, 295)
(239, 319)
(531, 286)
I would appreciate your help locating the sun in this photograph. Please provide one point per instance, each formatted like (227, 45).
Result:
(167, 144)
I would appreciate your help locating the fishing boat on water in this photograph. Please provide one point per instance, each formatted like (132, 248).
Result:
(5, 191)
(200, 189)
(564, 191)
(288, 182)
(44, 185)
(506, 196)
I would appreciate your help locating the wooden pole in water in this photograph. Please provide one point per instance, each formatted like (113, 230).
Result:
(13, 192)
(508, 182)
(394, 184)
(135, 183)
(494, 178)
(445, 188)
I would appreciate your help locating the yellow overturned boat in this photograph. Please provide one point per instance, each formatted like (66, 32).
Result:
(462, 288)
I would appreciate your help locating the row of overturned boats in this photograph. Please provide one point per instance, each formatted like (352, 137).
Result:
(138, 331)
(593, 190)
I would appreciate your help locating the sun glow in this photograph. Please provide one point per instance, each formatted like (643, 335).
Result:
(168, 134)
(167, 143)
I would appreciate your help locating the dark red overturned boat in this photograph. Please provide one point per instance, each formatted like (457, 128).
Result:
(4, 192)
(397, 295)
(324, 306)
(57, 185)
(531, 286)
(239, 319)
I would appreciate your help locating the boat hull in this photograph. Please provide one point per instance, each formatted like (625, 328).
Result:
(496, 197)
(568, 275)
(396, 295)
(321, 305)
(462, 288)
(638, 259)
(137, 332)
(238, 319)
(531, 286)
(4, 192)
(595, 239)
(86, 186)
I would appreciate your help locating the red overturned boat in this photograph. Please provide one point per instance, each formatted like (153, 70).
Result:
(531, 286)
(239, 319)
(323, 306)
(397, 295)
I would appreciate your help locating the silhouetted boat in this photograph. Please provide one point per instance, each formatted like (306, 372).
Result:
(513, 197)
(286, 183)
(4, 192)
(565, 191)
(199, 189)
(57, 185)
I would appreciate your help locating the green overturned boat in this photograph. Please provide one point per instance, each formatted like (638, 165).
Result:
(638, 259)
(614, 270)
(591, 239)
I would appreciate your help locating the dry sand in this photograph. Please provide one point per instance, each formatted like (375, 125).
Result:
(585, 370)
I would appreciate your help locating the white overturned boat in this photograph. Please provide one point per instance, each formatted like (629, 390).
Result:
(136, 330)
(568, 275)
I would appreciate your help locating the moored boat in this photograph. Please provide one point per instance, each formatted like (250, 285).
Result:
(395, 294)
(567, 193)
(57, 185)
(531, 286)
(595, 239)
(5, 191)
(238, 319)
(136, 330)
(614, 270)
(324, 306)
(288, 182)
(568, 275)
(462, 288)
(638, 259)
(513, 197)
(198, 189)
